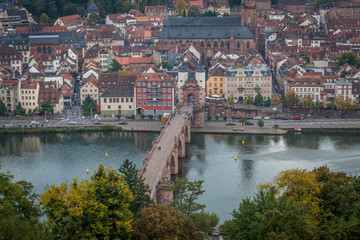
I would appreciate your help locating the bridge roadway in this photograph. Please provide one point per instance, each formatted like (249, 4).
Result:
(158, 158)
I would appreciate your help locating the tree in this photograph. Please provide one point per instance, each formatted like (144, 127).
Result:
(186, 195)
(166, 65)
(204, 222)
(259, 99)
(266, 217)
(350, 58)
(180, 6)
(44, 18)
(88, 105)
(46, 106)
(19, 215)
(291, 99)
(260, 123)
(317, 105)
(308, 101)
(331, 105)
(159, 222)
(193, 11)
(137, 186)
(248, 100)
(231, 100)
(19, 110)
(242, 121)
(94, 19)
(150, 116)
(299, 185)
(276, 127)
(3, 110)
(90, 209)
(115, 66)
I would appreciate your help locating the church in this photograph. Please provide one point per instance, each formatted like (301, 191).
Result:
(209, 34)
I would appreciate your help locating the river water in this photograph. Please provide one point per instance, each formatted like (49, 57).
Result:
(55, 158)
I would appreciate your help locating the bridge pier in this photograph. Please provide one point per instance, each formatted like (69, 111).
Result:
(173, 167)
(163, 196)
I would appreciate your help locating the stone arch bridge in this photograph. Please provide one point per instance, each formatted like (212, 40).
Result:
(162, 160)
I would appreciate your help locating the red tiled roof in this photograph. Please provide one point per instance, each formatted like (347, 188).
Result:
(71, 19)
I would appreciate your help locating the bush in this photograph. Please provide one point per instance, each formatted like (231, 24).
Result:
(209, 117)
(260, 123)
(150, 116)
(159, 116)
(217, 117)
(132, 116)
(142, 116)
(224, 117)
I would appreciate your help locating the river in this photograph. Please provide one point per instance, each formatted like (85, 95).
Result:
(55, 158)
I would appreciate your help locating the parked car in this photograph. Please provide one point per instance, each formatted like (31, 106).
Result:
(266, 118)
(230, 123)
(296, 118)
(72, 123)
(122, 123)
(97, 123)
(257, 118)
(34, 123)
(249, 123)
(248, 117)
(267, 104)
(237, 117)
(277, 117)
(286, 118)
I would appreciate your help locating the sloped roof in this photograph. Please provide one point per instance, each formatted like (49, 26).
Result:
(71, 19)
(205, 28)
(118, 91)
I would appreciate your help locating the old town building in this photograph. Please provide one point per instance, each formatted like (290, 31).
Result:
(154, 94)
(208, 34)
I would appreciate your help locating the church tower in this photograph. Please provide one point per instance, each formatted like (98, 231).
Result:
(249, 15)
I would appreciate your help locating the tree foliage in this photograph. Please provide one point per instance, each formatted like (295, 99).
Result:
(308, 101)
(291, 99)
(88, 105)
(94, 19)
(90, 209)
(260, 123)
(350, 58)
(158, 222)
(137, 186)
(3, 110)
(205, 222)
(44, 18)
(276, 100)
(231, 100)
(300, 204)
(46, 106)
(115, 66)
(19, 110)
(180, 6)
(19, 216)
(248, 100)
(187, 193)
(259, 99)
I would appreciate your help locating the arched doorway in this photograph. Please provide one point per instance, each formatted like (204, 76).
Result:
(139, 110)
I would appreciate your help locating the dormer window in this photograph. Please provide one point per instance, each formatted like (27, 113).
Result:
(313, 83)
(305, 83)
(297, 83)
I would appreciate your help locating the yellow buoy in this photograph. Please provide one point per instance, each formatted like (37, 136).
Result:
(243, 142)
(235, 158)
(87, 171)
(106, 155)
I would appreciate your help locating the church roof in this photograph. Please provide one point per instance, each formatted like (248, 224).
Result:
(205, 28)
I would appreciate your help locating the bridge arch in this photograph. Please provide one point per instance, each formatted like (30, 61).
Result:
(173, 165)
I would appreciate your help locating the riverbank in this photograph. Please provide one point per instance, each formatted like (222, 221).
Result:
(68, 129)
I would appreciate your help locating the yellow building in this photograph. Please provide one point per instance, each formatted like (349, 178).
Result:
(215, 85)
(29, 94)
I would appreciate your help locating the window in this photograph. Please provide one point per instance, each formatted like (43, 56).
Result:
(122, 100)
(104, 100)
(108, 106)
(139, 103)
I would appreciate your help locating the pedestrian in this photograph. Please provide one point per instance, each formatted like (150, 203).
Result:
(175, 139)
